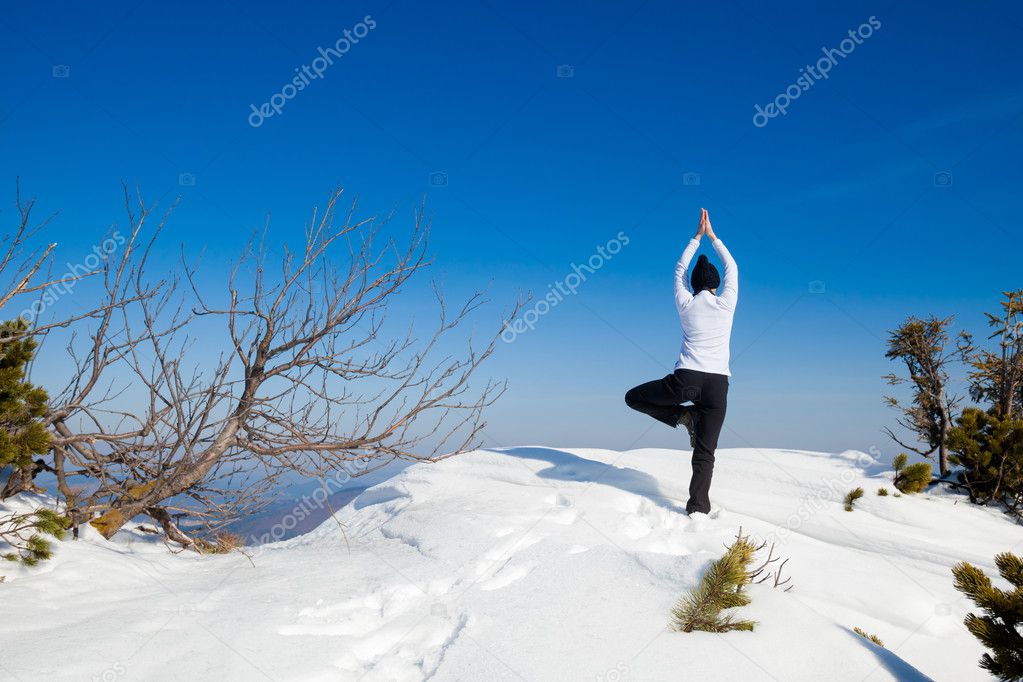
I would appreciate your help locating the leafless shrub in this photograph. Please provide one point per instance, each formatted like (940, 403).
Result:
(304, 378)
(769, 569)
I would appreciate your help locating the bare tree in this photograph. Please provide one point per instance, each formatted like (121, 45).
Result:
(22, 261)
(196, 408)
(923, 345)
(26, 280)
(22, 258)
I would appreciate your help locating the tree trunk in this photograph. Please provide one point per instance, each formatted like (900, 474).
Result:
(946, 425)
(19, 481)
(22, 479)
(170, 530)
(142, 498)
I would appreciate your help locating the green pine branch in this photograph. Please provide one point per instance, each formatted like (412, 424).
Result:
(851, 497)
(27, 535)
(719, 589)
(998, 627)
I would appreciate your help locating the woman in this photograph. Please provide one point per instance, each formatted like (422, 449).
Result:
(701, 373)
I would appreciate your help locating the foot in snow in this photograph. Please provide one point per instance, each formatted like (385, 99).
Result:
(699, 520)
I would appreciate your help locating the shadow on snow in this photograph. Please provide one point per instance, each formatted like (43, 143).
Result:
(568, 467)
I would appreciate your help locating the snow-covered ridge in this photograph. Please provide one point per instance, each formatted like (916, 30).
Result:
(529, 563)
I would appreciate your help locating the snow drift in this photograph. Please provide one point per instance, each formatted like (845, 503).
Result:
(528, 563)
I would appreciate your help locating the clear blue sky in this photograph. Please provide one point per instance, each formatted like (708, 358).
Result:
(541, 170)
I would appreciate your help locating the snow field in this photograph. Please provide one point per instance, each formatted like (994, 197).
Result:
(530, 563)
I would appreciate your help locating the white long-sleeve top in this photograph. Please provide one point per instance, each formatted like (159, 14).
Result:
(706, 319)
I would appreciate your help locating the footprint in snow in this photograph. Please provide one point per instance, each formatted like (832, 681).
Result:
(558, 500)
(636, 527)
(565, 517)
(561, 513)
(500, 556)
(698, 523)
(507, 575)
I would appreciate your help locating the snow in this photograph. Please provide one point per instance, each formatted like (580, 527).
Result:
(528, 563)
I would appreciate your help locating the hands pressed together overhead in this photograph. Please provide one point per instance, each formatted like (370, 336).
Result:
(705, 226)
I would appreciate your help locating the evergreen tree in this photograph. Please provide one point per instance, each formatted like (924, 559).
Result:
(990, 450)
(999, 626)
(22, 405)
(719, 589)
(913, 478)
(23, 537)
(851, 497)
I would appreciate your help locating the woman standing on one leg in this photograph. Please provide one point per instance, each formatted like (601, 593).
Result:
(701, 373)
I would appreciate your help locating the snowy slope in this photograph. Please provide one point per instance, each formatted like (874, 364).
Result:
(528, 564)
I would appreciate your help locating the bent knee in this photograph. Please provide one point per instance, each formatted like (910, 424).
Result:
(632, 398)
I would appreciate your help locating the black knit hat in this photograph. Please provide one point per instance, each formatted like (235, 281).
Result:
(705, 275)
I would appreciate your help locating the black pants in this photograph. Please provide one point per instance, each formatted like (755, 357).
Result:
(661, 399)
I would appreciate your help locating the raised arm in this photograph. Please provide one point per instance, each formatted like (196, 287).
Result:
(729, 291)
(683, 291)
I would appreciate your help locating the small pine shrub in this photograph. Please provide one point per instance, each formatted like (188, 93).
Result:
(851, 497)
(719, 589)
(883, 492)
(897, 495)
(998, 627)
(913, 478)
(866, 635)
(26, 535)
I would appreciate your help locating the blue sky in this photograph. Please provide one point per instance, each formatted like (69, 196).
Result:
(894, 182)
